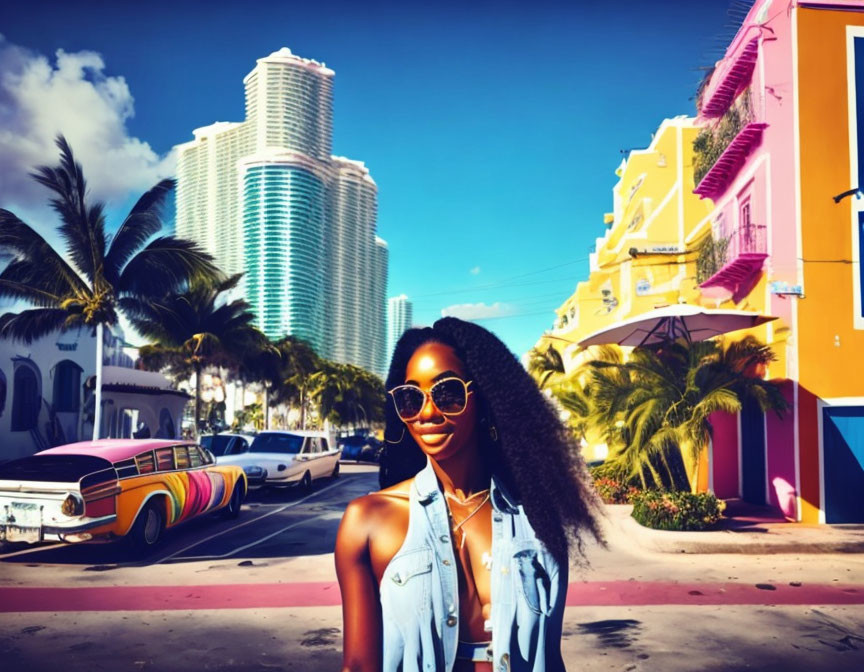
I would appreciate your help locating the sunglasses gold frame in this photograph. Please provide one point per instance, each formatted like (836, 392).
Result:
(427, 397)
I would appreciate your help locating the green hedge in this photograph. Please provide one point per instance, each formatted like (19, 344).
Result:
(676, 510)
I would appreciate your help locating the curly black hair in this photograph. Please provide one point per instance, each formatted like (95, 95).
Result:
(533, 454)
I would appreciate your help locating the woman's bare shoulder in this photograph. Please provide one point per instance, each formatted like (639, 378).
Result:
(376, 505)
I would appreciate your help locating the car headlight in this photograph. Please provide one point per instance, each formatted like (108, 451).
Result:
(73, 505)
(253, 470)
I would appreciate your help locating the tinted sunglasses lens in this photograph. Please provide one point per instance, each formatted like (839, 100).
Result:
(409, 401)
(449, 396)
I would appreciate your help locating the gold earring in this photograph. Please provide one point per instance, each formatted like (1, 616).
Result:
(399, 440)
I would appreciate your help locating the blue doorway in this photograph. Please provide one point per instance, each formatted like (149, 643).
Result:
(752, 452)
(843, 463)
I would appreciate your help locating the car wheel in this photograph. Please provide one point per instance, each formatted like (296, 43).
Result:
(335, 473)
(147, 529)
(306, 482)
(232, 510)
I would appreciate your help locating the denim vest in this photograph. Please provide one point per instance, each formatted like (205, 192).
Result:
(420, 593)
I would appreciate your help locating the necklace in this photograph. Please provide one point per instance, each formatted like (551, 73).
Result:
(457, 527)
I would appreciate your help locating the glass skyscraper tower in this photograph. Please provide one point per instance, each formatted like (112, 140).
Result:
(266, 197)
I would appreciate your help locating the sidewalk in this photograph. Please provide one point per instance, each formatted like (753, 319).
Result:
(748, 530)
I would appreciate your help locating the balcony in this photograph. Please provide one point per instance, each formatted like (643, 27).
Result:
(718, 177)
(731, 76)
(730, 261)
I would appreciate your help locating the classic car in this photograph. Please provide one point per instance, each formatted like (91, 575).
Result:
(231, 448)
(295, 457)
(109, 489)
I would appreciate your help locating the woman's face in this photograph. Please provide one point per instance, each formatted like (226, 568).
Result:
(438, 435)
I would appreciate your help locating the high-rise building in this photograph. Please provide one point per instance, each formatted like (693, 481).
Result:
(378, 295)
(353, 315)
(400, 314)
(267, 199)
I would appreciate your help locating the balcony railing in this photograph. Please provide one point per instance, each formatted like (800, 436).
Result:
(721, 148)
(730, 260)
(720, 175)
(732, 75)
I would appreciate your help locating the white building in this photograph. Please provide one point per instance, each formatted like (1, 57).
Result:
(46, 393)
(400, 316)
(266, 197)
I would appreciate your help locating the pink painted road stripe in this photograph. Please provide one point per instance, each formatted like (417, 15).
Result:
(326, 594)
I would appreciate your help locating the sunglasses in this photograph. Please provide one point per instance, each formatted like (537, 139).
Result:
(450, 396)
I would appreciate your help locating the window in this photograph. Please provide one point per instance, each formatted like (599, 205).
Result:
(324, 447)
(126, 468)
(2, 392)
(146, 462)
(25, 398)
(205, 457)
(128, 423)
(219, 445)
(856, 179)
(166, 425)
(181, 457)
(277, 443)
(165, 459)
(67, 387)
(194, 457)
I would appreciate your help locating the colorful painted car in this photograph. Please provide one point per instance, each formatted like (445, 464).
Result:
(114, 488)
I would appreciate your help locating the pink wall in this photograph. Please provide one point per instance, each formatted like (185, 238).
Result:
(781, 459)
(725, 454)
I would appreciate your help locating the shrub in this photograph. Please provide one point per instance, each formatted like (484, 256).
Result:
(612, 491)
(612, 484)
(676, 510)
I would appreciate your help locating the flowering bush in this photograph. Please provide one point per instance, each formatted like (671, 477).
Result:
(614, 491)
(676, 510)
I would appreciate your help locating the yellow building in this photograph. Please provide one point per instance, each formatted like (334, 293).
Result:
(646, 258)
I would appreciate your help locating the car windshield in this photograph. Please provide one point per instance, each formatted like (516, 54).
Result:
(216, 444)
(53, 468)
(277, 443)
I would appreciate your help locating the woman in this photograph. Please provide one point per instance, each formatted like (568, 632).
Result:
(462, 561)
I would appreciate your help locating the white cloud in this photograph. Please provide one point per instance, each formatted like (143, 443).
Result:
(71, 95)
(475, 270)
(477, 311)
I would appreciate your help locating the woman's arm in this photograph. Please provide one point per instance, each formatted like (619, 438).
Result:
(361, 610)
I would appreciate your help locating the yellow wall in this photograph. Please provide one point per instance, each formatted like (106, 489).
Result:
(654, 205)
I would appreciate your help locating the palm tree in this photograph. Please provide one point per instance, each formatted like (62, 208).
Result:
(261, 362)
(656, 405)
(198, 328)
(345, 392)
(101, 273)
(299, 365)
(544, 364)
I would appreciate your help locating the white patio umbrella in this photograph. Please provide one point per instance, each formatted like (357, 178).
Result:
(692, 323)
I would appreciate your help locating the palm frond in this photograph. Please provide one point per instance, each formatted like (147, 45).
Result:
(164, 266)
(33, 324)
(142, 223)
(82, 228)
(24, 281)
(29, 246)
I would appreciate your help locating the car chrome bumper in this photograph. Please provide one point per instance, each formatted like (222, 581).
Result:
(81, 527)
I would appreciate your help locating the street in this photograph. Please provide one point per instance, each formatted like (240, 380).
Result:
(259, 593)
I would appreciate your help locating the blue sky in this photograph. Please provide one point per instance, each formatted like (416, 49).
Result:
(492, 128)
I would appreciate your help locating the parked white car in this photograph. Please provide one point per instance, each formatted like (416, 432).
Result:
(230, 448)
(295, 457)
